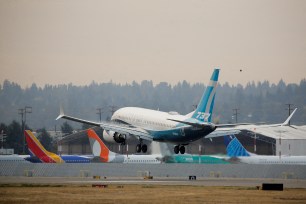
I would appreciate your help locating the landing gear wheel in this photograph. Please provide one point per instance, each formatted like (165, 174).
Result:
(182, 149)
(138, 148)
(176, 149)
(144, 148)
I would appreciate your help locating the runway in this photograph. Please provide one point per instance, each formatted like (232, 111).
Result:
(288, 183)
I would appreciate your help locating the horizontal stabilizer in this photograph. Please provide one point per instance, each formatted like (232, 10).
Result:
(194, 124)
(221, 133)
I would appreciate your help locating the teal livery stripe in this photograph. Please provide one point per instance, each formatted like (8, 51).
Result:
(205, 107)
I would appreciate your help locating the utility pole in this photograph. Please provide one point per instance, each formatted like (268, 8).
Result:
(27, 109)
(100, 113)
(3, 138)
(194, 107)
(236, 114)
(23, 112)
(112, 109)
(289, 109)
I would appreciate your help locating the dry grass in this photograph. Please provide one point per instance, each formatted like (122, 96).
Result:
(145, 194)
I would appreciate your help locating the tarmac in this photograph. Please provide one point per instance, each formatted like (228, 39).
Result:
(178, 181)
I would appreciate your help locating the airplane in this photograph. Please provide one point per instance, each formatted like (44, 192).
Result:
(238, 154)
(161, 154)
(37, 150)
(155, 125)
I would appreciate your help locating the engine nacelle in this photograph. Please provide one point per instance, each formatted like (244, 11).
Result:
(114, 137)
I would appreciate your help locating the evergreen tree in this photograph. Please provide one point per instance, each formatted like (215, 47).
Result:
(45, 139)
(14, 137)
(66, 128)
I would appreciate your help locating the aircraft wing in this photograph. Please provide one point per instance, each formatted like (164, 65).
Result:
(121, 129)
(232, 129)
(78, 120)
(220, 133)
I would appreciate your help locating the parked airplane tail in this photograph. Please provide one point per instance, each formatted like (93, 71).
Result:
(235, 148)
(36, 149)
(206, 105)
(99, 149)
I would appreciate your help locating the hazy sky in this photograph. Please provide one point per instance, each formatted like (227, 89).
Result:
(53, 41)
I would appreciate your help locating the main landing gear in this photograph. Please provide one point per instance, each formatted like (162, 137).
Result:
(141, 147)
(179, 148)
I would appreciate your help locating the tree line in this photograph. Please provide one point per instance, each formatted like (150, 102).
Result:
(15, 137)
(256, 102)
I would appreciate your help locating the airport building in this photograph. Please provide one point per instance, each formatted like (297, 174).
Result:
(284, 140)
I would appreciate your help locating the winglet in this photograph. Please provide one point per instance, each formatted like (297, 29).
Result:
(286, 123)
(99, 149)
(61, 113)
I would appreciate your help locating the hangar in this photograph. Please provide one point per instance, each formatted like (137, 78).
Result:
(284, 140)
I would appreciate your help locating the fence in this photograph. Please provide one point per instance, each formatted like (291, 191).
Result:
(156, 170)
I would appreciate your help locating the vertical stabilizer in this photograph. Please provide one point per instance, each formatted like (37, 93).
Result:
(236, 149)
(36, 149)
(206, 105)
(99, 149)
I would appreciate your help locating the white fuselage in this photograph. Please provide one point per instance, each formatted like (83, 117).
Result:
(14, 158)
(292, 160)
(134, 158)
(146, 118)
(163, 126)
(143, 159)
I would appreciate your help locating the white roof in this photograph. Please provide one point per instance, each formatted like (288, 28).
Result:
(284, 132)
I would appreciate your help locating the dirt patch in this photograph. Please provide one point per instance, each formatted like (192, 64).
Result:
(145, 194)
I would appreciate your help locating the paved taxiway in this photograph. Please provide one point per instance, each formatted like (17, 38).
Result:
(288, 183)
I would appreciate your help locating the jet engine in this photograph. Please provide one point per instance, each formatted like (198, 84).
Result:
(114, 137)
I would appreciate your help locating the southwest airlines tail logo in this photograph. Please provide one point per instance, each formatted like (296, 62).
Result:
(36, 149)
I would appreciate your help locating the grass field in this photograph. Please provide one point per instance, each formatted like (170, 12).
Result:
(28, 193)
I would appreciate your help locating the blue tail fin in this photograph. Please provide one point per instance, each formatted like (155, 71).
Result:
(235, 148)
(206, 105)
